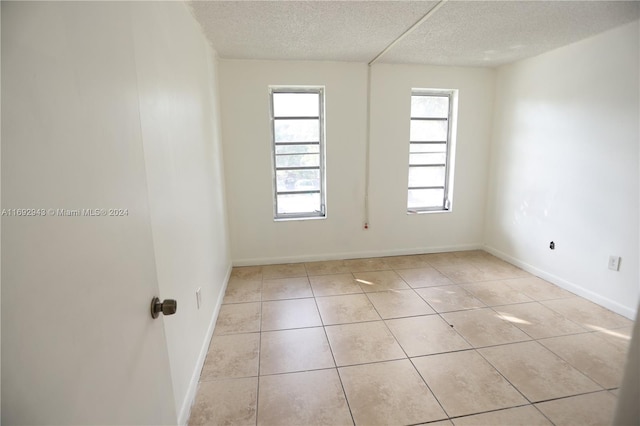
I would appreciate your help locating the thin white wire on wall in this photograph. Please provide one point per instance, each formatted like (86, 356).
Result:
(368, 122)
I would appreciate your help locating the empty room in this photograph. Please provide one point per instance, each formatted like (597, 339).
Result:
(320, 212)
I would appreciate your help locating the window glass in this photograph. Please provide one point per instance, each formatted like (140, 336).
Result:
(430, 151)
(297, 117)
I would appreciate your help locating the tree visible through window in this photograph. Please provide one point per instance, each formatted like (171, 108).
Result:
(297, 117)
(430, 150)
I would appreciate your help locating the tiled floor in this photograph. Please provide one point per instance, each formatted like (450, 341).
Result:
(452, 338)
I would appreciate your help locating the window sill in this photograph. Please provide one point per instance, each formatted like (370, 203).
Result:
(289, 219)
(420, 212)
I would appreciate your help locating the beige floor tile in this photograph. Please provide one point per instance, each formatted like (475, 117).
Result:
(346, 309)
(537, 372)
(465, 383)
(286, 288)
(439, 260)
(582, 347)
(615, 392)
(459, 266)
(363, 265)
(406, 262)
(238, 318)
(326, 267)
(496, 269)
(440, 423)
(380, 281)
(595, 409)
(232, 356)
(306, 398)
(595, 357)
(519, 416)
(226, 402)
(484, 327)
(537, 320)
(241, 290)
(538, 289)
(251, 273)
(620, 337)
(426, 335)
(476, 257)
(334, 285)
(287, 270)
(587, 314)
(424, 277)
(473, 255)
(465, 273)
(287, 351)
(389, 393)
(449, 298)
(482, 259)
(293, 313)
(363, 342)
(494, 293)
(399, 303)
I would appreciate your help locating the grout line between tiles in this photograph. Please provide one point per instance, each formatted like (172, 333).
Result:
(503, 376)
(428, 387)
(543, 414)
(492, 411)
(480, 354)
(326, 336)
(412, 364)
(259, 354)
(224, 379)
(584, 373)
(440, 266)
(308, 370)
(570, 396)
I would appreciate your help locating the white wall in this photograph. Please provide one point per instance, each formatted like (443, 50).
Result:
(390, 111)
(177, 85)
(256, 238)
(564, 166)
(107, 105)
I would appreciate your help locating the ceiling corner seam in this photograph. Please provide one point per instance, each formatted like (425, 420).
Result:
(409, 30)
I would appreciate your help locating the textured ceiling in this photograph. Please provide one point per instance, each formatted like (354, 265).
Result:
(312, 30)
(465, 33)
(490, 33)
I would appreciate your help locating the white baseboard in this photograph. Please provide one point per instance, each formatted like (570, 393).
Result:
(352, 255)
(189, 399)
(567, 285)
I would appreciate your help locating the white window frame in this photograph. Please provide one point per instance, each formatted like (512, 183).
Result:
(447, 202)
(317, 214)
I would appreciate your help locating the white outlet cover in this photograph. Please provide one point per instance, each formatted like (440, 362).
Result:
(614, 263)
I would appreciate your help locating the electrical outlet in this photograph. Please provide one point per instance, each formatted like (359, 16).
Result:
(198, 297)
(614, 263)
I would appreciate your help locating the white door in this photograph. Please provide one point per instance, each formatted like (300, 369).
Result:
(79, 345)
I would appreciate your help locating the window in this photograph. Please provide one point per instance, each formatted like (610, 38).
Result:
(430, 150)
(297, 119)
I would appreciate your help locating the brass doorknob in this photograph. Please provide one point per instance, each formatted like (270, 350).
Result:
(166, 307)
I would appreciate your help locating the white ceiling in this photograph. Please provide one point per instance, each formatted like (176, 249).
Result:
(464, 33)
